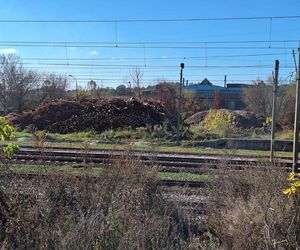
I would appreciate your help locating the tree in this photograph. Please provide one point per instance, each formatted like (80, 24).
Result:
(166, 94)
(193, 103)
(258, 98)
(53, 87)
(287, 104)
(17, 84)
(121, 90)
(137, 78)
(91, 85)
(218, 100)
(93, 89)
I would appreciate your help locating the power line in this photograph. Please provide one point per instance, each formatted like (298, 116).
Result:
(154, 66)
(187, 75)
(192, 81)
(153, 78)
(163, 58)
(145, 47)
(70, 43)
(145, 20)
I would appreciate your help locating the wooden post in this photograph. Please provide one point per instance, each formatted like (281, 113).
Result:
(275, 89)
(296, 122)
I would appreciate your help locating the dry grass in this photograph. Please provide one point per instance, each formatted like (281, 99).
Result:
(122, 209)
(249, 211)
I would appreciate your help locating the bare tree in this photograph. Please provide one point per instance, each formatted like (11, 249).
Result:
(137, 78)
(91, 85)
(53, 87)
(17, 84)
(258, 98)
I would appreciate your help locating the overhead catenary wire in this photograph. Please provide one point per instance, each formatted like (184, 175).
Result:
(105, 65)
(153, 66)
(147, 20)
(147, 47)
(69, 43)
(163, 58)
(170, 79)
(151, 45)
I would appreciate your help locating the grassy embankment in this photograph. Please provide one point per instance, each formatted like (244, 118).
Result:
(133, 140)
(95, 171)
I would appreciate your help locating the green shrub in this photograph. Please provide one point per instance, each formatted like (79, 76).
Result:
(200, 133)
(129, 134)
(6, 133)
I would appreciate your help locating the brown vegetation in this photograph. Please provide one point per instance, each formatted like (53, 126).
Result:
(98, 115)
(122, 209)
(248, 210)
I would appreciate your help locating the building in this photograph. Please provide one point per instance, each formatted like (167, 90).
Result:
(230, 94)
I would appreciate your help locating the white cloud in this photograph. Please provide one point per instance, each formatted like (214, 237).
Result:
(8, 51)
(94, 52)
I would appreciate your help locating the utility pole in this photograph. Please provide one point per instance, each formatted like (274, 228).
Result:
(179, 103)
(294, 57)
(225, 81)
(296, 122)
(4, 96)
(76, 86)
(275, 90)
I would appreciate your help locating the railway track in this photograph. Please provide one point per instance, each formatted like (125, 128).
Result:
(166, 161)
(162, 182)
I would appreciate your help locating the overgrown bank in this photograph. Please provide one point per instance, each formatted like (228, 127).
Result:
(125, 209)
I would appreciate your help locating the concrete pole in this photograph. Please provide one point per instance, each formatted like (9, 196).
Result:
(296, 122)
(275, 90)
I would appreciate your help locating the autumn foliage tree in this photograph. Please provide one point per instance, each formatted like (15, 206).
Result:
(218, 100)
(166, 94)
(193, 103)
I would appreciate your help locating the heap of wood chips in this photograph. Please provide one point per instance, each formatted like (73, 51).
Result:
(63, 116)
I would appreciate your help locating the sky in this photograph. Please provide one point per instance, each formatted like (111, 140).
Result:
(108, 52)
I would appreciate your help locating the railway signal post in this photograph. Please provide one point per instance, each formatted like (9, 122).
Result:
(179, 103)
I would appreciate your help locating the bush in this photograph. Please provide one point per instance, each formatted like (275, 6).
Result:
(250, 211)
(6, 133)
(129, 134)
(199, 133)
(123, 208)
(216, 124)
(219, 121)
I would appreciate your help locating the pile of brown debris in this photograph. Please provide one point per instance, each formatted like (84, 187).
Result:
(63, 116)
